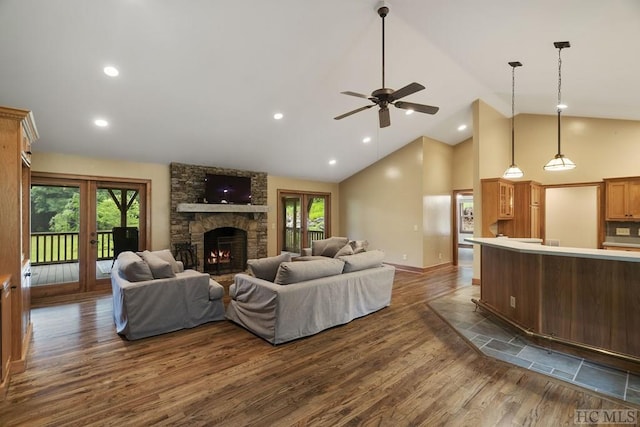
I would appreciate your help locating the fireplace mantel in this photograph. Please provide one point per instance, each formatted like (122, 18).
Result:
(206, 207)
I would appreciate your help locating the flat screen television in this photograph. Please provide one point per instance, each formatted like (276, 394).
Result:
(227, 189)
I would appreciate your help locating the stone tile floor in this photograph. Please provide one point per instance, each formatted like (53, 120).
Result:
(497, 339)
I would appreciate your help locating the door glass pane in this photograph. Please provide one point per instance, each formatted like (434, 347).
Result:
(55, 226)
(292, 223)
(115, 207)
(315, 219)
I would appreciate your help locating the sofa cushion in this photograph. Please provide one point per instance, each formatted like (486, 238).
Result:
(346, 250)
(359, 245)
(362, 261)
(160, 269)
(328, 247)
(166, 255)
(295, 272)
(133, 268)
(266, 268)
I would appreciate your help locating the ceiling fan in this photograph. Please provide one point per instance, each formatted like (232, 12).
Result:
(384, 97)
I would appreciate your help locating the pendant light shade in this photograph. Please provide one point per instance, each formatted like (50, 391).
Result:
(513, 171)
(559, 161)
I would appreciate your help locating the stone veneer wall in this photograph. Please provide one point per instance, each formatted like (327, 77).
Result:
(187, 186)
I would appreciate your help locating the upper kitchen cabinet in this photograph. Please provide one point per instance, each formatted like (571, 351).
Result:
(497, 205)
(622, 197)
(527, 209)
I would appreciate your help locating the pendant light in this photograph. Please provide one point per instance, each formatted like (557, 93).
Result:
(559, 161)
(513, 171)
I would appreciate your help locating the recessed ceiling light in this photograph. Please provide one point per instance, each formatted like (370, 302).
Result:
(278, 116)
(111, 71)
(408, 112)
(332, 162)
(462, 127)
(101, 123)
(367, 140)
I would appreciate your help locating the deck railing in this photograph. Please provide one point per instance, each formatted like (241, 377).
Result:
(58, 248)
(292, 238)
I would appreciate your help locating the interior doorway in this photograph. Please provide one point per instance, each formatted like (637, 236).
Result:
(463, 226)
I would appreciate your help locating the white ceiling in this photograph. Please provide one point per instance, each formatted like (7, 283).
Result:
(200, 80)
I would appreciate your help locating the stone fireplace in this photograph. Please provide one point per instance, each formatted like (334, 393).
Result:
(201, 224)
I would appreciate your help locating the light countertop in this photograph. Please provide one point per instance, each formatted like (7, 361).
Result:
(521, 245)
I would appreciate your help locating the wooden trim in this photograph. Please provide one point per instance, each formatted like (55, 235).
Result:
(20, 365)
(475, 281)
(114, 179)
(420, 270)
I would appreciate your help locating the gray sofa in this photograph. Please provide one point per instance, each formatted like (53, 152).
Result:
(152, 295)
(306, 297)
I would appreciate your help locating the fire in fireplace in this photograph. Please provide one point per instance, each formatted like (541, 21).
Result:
(225, 250)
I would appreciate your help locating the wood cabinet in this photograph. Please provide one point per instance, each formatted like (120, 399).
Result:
(17, 133)
(5, 332)
(527, 208)
(497, 205)
(622, 197)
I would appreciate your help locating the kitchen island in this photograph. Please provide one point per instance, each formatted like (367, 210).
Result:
(585, 298)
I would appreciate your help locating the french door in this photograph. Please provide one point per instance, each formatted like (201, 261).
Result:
(73, 217)
(303, 217)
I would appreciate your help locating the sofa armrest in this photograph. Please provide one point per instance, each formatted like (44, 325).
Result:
(306, 252)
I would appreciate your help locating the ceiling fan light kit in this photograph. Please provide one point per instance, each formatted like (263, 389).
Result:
(559, 161)
(384, 96)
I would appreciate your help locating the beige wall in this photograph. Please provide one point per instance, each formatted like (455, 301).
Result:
(275, 183)
(462, 165)
(157, 173)
(383, 204)
(436, 208)
(402, 204)
(601, 148)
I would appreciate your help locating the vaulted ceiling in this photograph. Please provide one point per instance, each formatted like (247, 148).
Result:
(200, 80)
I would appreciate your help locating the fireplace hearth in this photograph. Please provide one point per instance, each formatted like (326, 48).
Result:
(225, 250)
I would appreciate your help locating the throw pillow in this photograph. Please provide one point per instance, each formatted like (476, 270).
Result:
(346, 250)
(362, 261)
(296, 272)
(160, 269)
(266, 268)
(166, 255)
(328, 247)
(133, 268)
(359, 246)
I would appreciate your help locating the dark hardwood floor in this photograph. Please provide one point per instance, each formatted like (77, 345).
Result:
(401, 366)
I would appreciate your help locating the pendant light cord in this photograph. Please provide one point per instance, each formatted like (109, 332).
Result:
(513, 112)
(559, 94)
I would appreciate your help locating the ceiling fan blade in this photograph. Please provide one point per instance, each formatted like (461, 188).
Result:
(357, 110)
(385, 118)
(420, 108)
(405, 91)
(359, 95)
